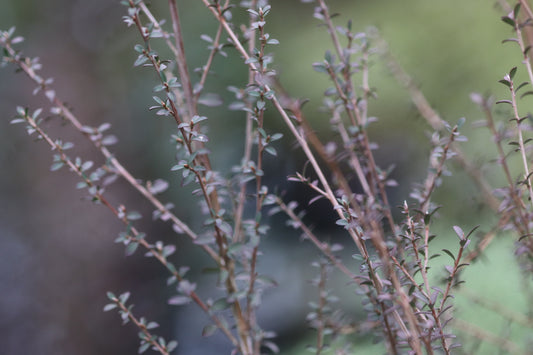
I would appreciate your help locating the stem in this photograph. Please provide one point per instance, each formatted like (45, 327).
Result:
(99, 196)
(148, 336)
(432, 178)
(181, 60)
(355, 235)
(248, 134)
(527, 176)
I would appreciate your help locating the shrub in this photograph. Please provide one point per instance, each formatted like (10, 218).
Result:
(409, 302)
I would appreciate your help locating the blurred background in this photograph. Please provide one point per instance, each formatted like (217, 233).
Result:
(57, 256)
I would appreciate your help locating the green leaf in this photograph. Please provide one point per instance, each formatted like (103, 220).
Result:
(329, 57)
(516, 10)
(209, 330)
(267, 281)
(110, 306)
(131, 247)
(449, 253)
(141, 59)
(320, 67)
(459, 232)
(471, 231)
(206, 38)
(512, 73)
(341, 222)
(56, 166)
(526, 94)
(272, 151)
(508, 21)
(506, 101)
(510, 40)
(152, 325)
(124, 297)
(158, 100)
(144, 347)
(172, 345)
(22, 111)
(196, 119)
(505, 82)
(133, 215)
(220, 304)
(521, 86)
(210, 100)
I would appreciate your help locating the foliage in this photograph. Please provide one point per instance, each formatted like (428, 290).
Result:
(407, 308)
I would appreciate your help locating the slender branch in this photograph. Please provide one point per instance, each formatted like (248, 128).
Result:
(122, 171)
(144, 330)
(136, 235)
(248, 133)
(205, 71)
(323, 247)
(521, 144)
(355, 235)
(157, 25)
(431, 181)
(181, 59)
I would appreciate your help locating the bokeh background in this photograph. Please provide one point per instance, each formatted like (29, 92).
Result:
(57, 256)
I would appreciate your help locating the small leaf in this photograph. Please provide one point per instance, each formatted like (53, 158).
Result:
(209, 330)
(179, 300)
(510, 40)
(152, 325)
(158, 186)
(144, 347)
(124, 297)
(508, 21)
(505, 82)
(512, 73)
(271, 151)
(449, 253)
(526, 94)
(57, 166)
(133, 215)
(172, 345)
(507, 101)
(210, 100)
(471, 231)
(206, 38)
(131, 247)
(196, 119)
(459, 232)
(341, 222)
(110, 306)
(516, 10)
(521, 86)
(220, 304)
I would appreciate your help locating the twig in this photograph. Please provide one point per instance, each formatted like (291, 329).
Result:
(123, 218)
